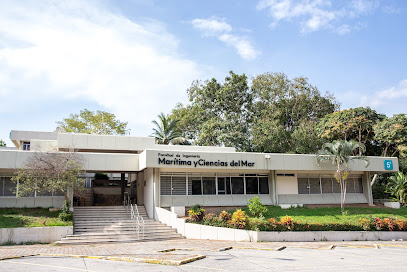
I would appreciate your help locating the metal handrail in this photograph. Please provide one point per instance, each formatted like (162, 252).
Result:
(135, 215)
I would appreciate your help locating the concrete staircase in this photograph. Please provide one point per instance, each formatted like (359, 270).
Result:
(103, 224)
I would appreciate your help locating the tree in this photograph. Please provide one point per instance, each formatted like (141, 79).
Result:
(166, 130)
(339, 153)
(98, 122)
(352, 124)
(219, 114)
(50, 172)
(392, 133)
(285, 113)
(397, 186)
(2, 143)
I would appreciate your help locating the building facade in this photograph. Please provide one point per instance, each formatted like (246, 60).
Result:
(170, 176)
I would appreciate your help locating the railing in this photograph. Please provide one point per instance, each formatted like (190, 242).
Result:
(135, 215)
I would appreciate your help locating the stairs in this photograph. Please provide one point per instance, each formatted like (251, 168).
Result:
(104, 224)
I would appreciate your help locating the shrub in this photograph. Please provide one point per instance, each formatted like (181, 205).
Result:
(257, 224)
(196, 213)
(366, 224)
(255, 206)
(272, 222)
(239, 219)
(388, 223)
(400, 224)
(66, 216)
(287, 221)
(209, 217)
(378, 224)
(224, 216)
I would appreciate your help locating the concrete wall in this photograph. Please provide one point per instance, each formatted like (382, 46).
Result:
(287, 185)
(212, 200)
(42, 234)
(32, 202)
(149, 192)
(351, 198)
(140, 188)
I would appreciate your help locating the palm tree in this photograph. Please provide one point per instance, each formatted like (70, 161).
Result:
(340, 153)
(166, 130)
(398, 187)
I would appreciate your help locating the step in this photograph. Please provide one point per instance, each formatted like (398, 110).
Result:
(133, 236)
(115, 234)
(118, 241)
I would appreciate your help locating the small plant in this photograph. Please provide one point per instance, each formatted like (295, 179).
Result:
(400, 224)
(196, 213)
(224, 216)
(287, 221)
(256, 208)
(366, 224)
(378, 224)
(239, 219)
(65, 214)
(388, 223)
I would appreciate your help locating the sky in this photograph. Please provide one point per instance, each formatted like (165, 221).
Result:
(136, 58)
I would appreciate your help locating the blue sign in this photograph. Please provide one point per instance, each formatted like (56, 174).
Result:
(388, 165)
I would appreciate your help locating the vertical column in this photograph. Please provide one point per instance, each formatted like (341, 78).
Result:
(123, 184)
(367, 189)
(272, 186)
(156, 180)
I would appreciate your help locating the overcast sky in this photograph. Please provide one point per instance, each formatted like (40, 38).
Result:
(136, 58)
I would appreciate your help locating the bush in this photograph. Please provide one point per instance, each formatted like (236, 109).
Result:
(224, 216)
(388, 223)
(239, 219)
(400, 224)
(287, 221)
(65, 214)
(196, 213)
(378, 224)
(256, 208)
(365, 224)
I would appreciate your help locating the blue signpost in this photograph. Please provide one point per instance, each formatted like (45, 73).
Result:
(388, 165)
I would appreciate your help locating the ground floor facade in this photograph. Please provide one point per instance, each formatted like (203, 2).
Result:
(180, 176)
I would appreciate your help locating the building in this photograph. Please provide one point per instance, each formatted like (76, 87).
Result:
(172, 176)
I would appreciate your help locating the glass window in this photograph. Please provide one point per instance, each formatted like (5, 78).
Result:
(326, 183)
(252, 185)
(209, 187)
(350, 185)
(237, 185)
(179, 186)
(264, 185)
(358, 185)
(315, 187)
(224, 186)
(165, 185)
(9, 187)
(196, 186)
(303, 187)
(43, 193)
(26, 145)
(336, 186)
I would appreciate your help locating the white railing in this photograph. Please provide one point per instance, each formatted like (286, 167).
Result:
(135, 215)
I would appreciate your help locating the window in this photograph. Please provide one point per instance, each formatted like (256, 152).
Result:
(237, 185)
(327, 185)
(264, 185)
(314, 186)
(303, 187)
(196, 185)
(179, 185)
(26, 146)
(209, 187)
(252, 185)
(165, 185)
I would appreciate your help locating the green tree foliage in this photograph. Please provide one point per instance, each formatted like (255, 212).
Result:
(256, 208)
(339, 153)
(392, 134)
(352, 124)
(219, 114)
(166, 130)
(397, 187)
(93, 122)
(274, 114)
(2, 143)
(49, 172)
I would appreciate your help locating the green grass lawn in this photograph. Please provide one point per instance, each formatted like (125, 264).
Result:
(30, 217)
(333, 215)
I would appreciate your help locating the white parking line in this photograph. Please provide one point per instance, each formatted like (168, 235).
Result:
(53, 266)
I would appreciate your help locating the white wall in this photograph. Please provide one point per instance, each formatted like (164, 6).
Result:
(32, 202)
(149, 192)
(287, 185)
(41, 234)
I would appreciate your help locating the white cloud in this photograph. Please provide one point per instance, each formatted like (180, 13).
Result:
(57, 50)
(316, 15)
(218, 27)
(211, 26)
(242, 45)
(392, 99)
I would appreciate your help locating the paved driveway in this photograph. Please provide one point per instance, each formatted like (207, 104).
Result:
(218, 256)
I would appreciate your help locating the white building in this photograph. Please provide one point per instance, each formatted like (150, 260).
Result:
(169, 175)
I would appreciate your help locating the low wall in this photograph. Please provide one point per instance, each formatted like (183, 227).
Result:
(37, 234)
(197, 231)
(32, 202)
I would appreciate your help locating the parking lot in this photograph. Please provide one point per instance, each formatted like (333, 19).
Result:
(351, 256)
